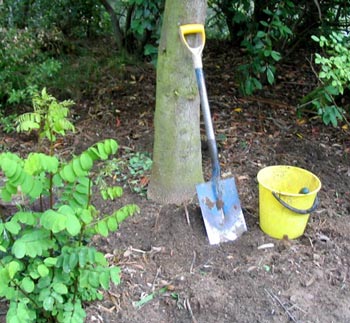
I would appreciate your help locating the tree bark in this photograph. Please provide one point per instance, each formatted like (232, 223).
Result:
(177, 158)
(118, 34)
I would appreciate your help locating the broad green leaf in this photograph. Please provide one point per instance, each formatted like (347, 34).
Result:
(270, 76)
(42, 284)
(48, 303)
(275, 55)
(102, 228)
(25, 217)
(112, 224)
(27, 184)
(27, 284)
(58, 297)
(100, 259)
(82, 255)
(93, 153)
(73, 225)
(68, 174)
(94, 280)
(19, 249)
(11, 188)
(9, 167)
(73, 260)
(82, 189)
(36, 190)
(60, 288)
(43, 270)
(102, 152)
(77, 315)
(57, 180)
(86, 216)
(78, 170)
(66, 263)
(12, 268)
(6, 195)
(65, 209)
(19, 312)
(114, 145)
(18, 178)
(125, 212)
(107, 147)
(104, 279)
(81, 199)
(85, 161)
(115, 275)
(12, 226)
(50, 261)
(54, 221)
(84, 279)
(91, 252)
(32, 244)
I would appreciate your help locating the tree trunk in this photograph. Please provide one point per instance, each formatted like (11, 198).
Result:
(118, 34)
(177, 158)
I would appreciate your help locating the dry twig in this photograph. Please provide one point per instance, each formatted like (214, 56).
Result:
(274, 297)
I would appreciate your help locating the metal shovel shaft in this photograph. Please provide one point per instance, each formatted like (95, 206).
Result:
(209, 129)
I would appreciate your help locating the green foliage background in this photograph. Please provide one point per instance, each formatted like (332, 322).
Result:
(40, 37)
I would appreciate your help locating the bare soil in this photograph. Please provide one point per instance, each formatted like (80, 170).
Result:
(170, 273)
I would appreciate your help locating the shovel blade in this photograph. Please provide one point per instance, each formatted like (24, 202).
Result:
(223, 219)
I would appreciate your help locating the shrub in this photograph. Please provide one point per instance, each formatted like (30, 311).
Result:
(260, 44)
(47, 266)
(333, 77)
(24, 68)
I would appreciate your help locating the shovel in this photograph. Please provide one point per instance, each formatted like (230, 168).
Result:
(218, 198)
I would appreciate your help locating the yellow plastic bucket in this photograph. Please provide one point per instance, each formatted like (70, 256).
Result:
(287, 196)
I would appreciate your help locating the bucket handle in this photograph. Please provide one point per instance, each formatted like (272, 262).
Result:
(293, 209)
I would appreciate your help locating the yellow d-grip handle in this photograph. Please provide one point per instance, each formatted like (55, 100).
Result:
(192, 29)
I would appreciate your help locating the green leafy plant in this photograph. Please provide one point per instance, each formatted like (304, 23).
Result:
(132, 170)
(7, 123)
(260, 49)
(48, 269)
(49, 117)
(23, 66)
(334, 78)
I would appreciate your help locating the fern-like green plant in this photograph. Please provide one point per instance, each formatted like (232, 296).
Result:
(48, 269)
(49, 117)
